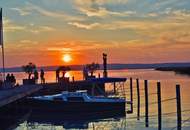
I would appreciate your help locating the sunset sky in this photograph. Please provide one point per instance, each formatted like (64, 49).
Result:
(129, 31)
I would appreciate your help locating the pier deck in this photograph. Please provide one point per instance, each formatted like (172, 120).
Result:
(10, 95)
(97, 85)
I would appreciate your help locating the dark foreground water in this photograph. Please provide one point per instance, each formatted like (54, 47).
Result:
(28, 121)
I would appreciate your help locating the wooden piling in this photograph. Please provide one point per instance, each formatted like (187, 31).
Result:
(178, 102)
(114, 85)
(131, 94)
(146, 103)
(159, 106)
(138, 100)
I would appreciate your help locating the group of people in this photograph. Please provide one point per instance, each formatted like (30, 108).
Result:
(10, 78)
(58, 75)
(36, 76)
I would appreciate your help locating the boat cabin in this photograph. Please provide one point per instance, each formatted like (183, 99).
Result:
(78, 96)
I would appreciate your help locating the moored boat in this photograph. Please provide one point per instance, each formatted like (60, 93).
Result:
(78, 102)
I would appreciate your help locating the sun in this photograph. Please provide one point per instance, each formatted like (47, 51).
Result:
(66, 58)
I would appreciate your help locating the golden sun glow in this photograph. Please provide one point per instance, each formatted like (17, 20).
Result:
(66, 58)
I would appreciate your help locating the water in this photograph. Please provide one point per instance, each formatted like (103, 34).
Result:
(168, 81)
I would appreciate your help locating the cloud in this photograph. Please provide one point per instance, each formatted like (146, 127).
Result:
(73, 46)
(180, 36)
(46, 28)
(132, 24)
(166, 3)
(28, 42)
(22, 12)
(153, 14)
(39, 29)
(9, 26)
(102, 12)
(60, 49)
(180, 13)
(183, 13)
(100, 2)
(53, 14)
(84, 26)
(171, 13)
(95, 8)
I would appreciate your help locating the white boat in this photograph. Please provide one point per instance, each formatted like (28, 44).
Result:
(76, 102)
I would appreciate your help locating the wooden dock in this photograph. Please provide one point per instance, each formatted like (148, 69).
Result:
(96, 85)
(10, 95)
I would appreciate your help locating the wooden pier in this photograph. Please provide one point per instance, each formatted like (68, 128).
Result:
(10, 95)
(97, 86)
(94, 86)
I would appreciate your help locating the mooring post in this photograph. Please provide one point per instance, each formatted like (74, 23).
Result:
(178, 101)
(146, 103)
(138, 100)
(114, 85)
(131, 95)
(159, 106)
(105, 73)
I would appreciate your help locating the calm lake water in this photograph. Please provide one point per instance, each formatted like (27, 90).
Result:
(168, 81)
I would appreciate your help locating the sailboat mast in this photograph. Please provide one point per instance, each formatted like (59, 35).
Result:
(2, 44)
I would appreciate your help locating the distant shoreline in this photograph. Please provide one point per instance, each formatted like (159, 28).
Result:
(177, 70)
(115, 66)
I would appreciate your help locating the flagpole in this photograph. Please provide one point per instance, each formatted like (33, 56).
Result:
(2, 46)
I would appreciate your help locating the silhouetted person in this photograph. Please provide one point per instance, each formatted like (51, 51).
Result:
(57, 75)
(42, 76)
(85, 73)
(12, 79)
(8, 78)
(36, 76)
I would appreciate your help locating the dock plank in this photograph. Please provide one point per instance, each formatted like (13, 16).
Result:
(11, 95)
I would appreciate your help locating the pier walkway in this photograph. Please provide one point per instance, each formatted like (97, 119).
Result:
(10, 95)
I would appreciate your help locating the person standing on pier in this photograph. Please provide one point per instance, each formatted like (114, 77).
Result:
(57, 75)
(85, 73)
(8, 78)
(12, 79)
(36, 76)
(42, 76)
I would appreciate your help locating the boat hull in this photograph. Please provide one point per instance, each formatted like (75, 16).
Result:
(79, 108)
